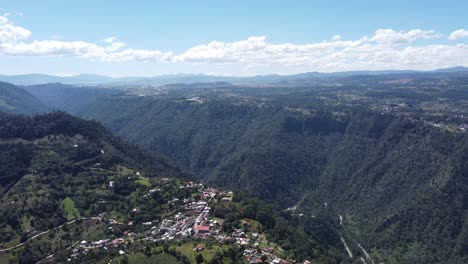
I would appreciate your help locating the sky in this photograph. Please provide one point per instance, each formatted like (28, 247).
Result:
(148, 38)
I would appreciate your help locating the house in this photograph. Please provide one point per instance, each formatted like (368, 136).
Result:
(199, 247)
(201, 229)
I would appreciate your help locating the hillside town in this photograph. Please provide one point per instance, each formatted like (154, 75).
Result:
(191, 220)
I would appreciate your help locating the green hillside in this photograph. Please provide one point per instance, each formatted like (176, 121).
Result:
(65, 180)
(57, 167)
(18, 101)
(399, 183)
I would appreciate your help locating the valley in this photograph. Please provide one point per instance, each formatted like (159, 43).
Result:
(352, 173)
(234, 132)
(82, 195)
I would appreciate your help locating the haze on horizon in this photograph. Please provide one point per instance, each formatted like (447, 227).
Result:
(151, 38)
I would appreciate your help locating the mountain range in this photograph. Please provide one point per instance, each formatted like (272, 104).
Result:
(93, 79)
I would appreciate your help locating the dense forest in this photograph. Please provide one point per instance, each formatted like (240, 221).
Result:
(67, 97)
(18, 101)
(388, 176)
(45, 160)
(55, 168)
(374, 165)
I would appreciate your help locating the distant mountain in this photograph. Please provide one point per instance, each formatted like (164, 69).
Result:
(453, 69)
(67, 97)
(16, 100)
(30, 79)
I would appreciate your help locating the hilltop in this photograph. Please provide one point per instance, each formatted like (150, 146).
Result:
(18, 101)
(70, 191)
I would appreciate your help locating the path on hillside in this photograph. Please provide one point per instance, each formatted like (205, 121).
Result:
(368, 259)
(47, 231)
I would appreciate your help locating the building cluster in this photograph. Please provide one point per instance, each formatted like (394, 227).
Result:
(83, 247)
(257, 249)
(191, 219)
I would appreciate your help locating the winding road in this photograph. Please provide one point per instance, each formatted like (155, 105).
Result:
(47, 231)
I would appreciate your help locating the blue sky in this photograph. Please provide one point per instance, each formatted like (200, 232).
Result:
(253, 37)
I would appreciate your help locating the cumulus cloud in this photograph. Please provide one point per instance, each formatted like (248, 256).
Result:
(385, 49)
(376, 52)
(458, 34)
(10, 34)
(3, 20)
(390, 36)
(110, 39)
(13, 42)
(336, 38)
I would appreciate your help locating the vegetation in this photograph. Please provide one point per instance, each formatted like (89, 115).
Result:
(389, 171)
(143, 181)
(70, 210)
(60, 170)
(16, 100)
(378, 162)
(67, 97)
(57, 167)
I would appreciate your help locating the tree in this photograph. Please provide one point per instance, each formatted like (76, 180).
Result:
(124, 260)
(147, 251)
(199, 258)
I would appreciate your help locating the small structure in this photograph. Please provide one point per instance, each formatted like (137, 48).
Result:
(202, 230)
(199, 247)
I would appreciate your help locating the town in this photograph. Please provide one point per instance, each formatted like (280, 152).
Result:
(191, 221)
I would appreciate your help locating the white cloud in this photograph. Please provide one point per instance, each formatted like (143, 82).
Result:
(3, 20)
(458, 34)
(109, 39)
(10, 34)
(13, 42)
(385, 49)
(334, 55)
(390, 36)
(336, 38)
(337, 54)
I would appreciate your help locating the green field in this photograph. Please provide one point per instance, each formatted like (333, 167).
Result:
(144, 181)
(70, 209)
(208, 253)
(140, 258)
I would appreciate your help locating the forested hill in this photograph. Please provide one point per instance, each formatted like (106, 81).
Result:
(68, 98)
(18, 101)
(49, 160)
(401, 185)
(23, 129)
(64, 180)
